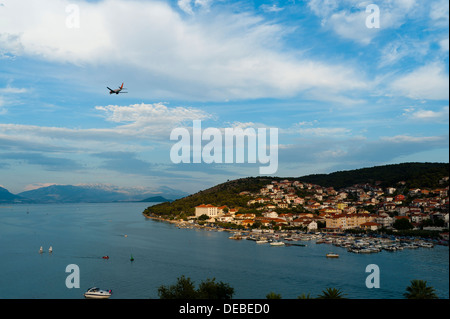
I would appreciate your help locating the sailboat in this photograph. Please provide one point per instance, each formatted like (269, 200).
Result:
(50, 250)
(41, 250)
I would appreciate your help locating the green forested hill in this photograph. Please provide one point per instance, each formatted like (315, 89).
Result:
(422, 175)
(222, 194)
(425, 175)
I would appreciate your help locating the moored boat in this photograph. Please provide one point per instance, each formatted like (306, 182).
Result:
(332, 255)
(236, 236)
(277, 243)
(426, 245)
(97, 293)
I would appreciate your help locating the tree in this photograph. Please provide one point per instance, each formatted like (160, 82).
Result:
(209, 289)
(321, 225)
(331, 293)
(419, 290)
(402, 224)
(305, 296)
(203, 217)
(272, 295)
(185, 289)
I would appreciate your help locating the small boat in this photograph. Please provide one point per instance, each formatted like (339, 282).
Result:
(277, 243)
(331, 255)
(105, 257)
(261, 241)
(41, 250)
(300, 245)
(131, 258)
(237, 236)
(50, 250)
(97, 293)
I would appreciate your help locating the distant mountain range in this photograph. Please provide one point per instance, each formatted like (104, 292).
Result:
(90, 194)
(7, 197)
(412, 174)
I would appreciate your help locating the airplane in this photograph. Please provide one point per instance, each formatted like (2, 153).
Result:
(117, 91)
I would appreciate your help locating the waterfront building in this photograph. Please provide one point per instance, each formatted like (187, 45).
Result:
(208, 210)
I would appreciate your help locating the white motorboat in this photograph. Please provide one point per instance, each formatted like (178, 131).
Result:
(97, 293)
(277, 243)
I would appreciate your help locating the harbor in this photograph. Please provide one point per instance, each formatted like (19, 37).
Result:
(357, 244)
(352, 244)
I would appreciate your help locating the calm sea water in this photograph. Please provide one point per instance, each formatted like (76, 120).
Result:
(82, 233)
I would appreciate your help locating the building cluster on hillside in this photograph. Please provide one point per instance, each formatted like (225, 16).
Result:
(361, 206)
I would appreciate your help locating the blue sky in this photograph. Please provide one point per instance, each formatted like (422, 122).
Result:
(342, 95)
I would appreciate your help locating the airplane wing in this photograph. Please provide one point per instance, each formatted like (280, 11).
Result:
(109, 88)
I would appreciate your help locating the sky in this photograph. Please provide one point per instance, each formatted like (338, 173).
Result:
(347, 84)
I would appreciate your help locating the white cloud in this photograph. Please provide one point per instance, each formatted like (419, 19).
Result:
(139, 126)
(272, 8)
(352, 26)
(324, 131)
(398, 139)
(323, 8)
(347, 18)
(427, 82)
(439, 13)
(7, 97)
(185, 5)
(228, 56)
(309, 129)
(151, 119)
(399, 49)
(428, 115)
(12, 90)
(3, 110)
(444, 45)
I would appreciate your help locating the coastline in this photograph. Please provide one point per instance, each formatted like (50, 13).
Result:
(352, 243)
(185, 224)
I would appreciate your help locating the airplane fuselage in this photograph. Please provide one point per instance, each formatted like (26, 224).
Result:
(116, 91)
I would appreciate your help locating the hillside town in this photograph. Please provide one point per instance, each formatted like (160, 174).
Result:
(292, 204)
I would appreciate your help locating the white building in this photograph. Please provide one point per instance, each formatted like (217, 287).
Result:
(312, 226)
(384, 221)
(208, 210)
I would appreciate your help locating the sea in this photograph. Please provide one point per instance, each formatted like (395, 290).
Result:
(81, 234)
